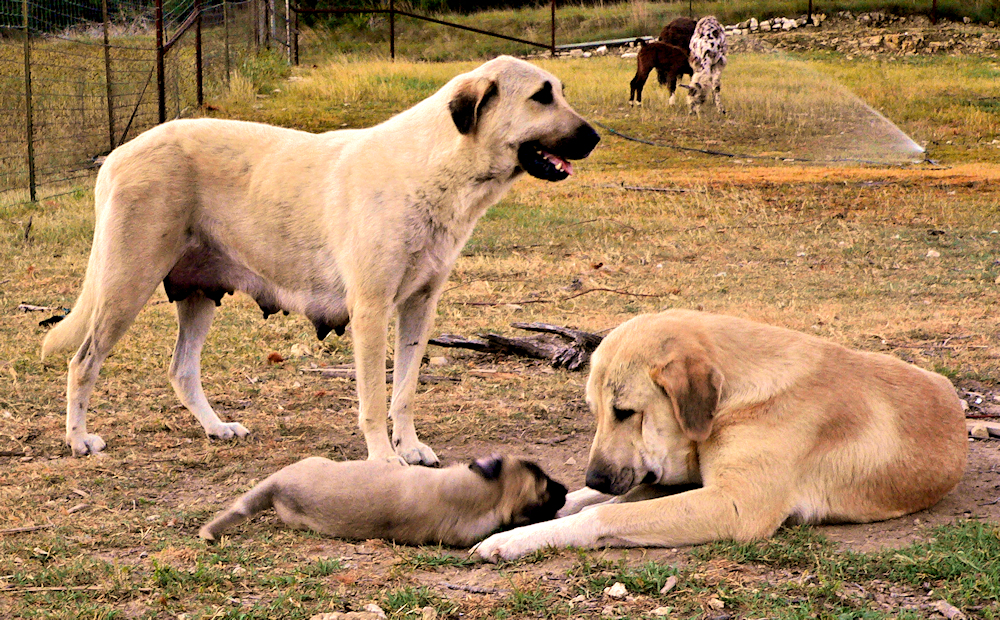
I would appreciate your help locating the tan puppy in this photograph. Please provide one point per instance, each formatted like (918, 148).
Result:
(775, 426)
(345, 226)
(457, 506)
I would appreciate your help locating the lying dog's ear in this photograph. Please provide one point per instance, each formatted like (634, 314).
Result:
(488, 467)
(692, 384)
(470, 101)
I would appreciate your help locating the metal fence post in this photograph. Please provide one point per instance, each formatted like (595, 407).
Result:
(392, 29)
(198, 65)
(161, 84)
(27, 99)
(553, 50)
(225, 37)
(288, 29)
(107, 77)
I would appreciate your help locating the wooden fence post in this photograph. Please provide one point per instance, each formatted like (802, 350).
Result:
(225, 36)
(29, 121)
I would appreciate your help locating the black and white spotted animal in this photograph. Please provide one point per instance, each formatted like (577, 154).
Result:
(708, 59)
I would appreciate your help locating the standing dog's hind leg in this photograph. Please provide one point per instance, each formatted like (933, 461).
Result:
(416, 315)
(112, 317)
(194, 316)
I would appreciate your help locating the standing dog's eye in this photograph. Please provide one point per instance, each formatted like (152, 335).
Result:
(544, 94)
(623, 414)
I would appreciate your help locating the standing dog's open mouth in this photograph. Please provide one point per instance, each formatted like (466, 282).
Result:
(541, 164)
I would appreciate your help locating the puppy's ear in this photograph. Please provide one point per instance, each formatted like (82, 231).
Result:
(692, 384)
(489, 467)
(470, 101)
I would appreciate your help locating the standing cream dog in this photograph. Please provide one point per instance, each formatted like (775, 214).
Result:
(345, 226)
(456, 506)
(775, 425)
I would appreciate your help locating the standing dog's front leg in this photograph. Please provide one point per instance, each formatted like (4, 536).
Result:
(416, 315)
(370, 324)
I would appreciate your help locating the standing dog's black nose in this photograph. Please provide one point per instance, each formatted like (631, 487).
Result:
(584, 142)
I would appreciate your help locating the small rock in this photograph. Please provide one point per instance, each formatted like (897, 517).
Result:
(616, 591)
(601, 50)
(669, 584)
(716, 604)
(300, 350)
(979, 431)
(609, 610)
(630, 54)
(948, 610)
(660, 611)
(372, 608)
(933, 254)
(438, 360)
(964, 403)
(576, 53)
(239, 571)
(427, 613)
(571, 461)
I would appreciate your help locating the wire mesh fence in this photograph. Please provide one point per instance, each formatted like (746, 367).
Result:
(79, 78)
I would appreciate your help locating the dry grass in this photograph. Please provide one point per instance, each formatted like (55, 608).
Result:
(894, 259)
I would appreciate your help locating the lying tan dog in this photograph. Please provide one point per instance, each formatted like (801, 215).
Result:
(775, 426)
(456, 506)
(344, 226)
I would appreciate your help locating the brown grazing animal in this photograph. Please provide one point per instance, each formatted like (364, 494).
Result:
(678, 32)
(670, 62)
(774, 425)
(457, 506)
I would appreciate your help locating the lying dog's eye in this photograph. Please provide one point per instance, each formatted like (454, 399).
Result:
(544, 94)
(623, 414)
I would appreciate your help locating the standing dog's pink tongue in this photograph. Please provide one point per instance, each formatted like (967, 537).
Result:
(560, 163)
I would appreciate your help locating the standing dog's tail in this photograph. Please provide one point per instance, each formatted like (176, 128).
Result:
(69, 333)
(254, 501)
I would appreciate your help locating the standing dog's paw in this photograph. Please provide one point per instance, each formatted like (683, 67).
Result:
(418, 454)
(228, 430)
(86, 444)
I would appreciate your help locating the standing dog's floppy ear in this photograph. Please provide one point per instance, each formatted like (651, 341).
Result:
(692, 384)
(469, 102)
(488, 467)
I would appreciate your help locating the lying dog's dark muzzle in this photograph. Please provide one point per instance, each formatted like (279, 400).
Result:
(549, 161)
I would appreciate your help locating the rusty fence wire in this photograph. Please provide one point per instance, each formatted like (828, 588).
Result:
(78, 78)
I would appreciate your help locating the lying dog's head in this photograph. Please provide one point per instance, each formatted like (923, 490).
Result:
(654, 391)
(527, 494)
(518, 112)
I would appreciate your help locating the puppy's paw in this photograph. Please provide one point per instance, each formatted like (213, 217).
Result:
(228, 430)
(83, 445)
(418, 454)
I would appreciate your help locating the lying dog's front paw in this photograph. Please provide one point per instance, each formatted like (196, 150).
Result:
(228, 430)
(85, 444)
(509, 545)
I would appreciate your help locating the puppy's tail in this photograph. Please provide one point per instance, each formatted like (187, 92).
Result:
(254, 501)
(69, 333)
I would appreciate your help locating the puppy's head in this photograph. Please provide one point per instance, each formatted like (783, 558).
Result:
(517, 114)
(654, 391)
(527, 494)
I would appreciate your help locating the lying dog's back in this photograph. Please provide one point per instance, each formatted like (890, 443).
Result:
(457, 506)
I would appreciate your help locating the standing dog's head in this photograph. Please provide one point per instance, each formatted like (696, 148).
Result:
(518, 114)
(527, 494)
(654, 389)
